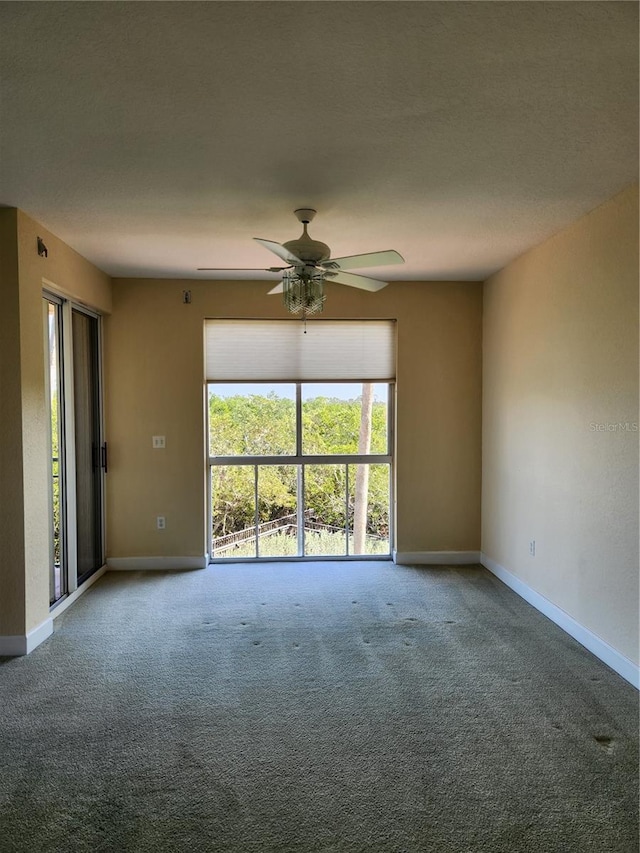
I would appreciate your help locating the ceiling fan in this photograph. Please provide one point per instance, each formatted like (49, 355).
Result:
(309, 265)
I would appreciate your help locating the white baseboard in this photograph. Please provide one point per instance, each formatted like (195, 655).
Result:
(75, 595)
(23, 644)
(598, 647)
(436, 558)
(136, 564)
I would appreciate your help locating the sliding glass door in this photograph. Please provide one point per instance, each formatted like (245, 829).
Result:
(78, 454)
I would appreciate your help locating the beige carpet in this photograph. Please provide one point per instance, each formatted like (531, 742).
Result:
(314, 707)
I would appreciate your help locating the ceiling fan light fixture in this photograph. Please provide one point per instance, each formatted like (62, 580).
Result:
(303, 291)
(309, 264)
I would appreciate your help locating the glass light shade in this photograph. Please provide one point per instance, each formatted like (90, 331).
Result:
(303, 292)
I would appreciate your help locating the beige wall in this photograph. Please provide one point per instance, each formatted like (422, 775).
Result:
(561, 357)
(12, 532)
(24, 556)
(154, 380)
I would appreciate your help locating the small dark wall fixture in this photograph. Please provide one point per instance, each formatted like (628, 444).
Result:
(42, 249)
(186, 297)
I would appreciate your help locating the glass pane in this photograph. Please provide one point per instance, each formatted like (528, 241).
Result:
(277, 510)
(233, 510)
(252, 420)
(57, 586)
(325, 510)
(341, 418)
(86, 403)
(369, 509)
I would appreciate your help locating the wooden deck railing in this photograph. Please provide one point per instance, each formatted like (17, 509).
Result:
(278, 525)
(247, 534)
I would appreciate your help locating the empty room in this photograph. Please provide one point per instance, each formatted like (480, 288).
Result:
(319, 428)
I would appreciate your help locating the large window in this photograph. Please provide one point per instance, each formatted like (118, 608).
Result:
(300, 438)
(299, 470)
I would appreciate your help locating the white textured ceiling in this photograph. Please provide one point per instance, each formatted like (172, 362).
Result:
(158, 137)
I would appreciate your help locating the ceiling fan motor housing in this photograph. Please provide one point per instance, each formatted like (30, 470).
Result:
(308, 250)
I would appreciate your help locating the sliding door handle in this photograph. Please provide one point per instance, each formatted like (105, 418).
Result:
(103, 457)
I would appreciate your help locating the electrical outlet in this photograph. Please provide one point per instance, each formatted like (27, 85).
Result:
(158, 441)
(161, 522)
(532, 548)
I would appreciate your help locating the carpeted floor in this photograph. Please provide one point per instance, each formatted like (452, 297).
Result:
(314, 707)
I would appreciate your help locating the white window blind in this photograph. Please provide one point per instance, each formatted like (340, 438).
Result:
(280, 351)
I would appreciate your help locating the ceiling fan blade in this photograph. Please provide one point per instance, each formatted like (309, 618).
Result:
(370, 259)
(280, 251)
(354, 280)
(277, 289)
(242, 269)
